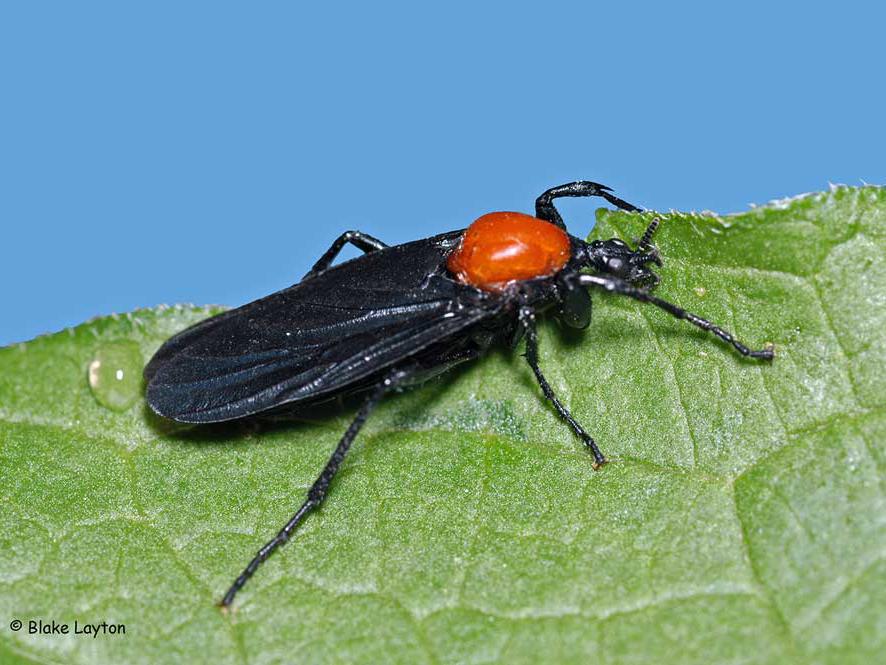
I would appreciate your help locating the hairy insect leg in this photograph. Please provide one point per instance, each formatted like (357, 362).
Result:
(320, 488)
(621, 287)
(358, 239)
(544, 204)
(527, 321)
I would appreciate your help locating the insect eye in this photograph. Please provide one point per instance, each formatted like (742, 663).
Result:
(614, 264)
(575, 307)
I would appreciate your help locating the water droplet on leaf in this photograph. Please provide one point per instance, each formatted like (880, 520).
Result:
(115, 375)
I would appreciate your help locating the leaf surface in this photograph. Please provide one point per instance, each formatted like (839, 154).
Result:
(742, 518)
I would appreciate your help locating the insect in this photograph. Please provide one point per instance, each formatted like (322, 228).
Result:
(397, 315)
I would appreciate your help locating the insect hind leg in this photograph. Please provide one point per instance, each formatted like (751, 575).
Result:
(319, 490)
(360, 240)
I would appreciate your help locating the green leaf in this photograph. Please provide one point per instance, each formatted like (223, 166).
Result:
(742, 518)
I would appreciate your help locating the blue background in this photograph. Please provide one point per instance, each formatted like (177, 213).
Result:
(210, 152)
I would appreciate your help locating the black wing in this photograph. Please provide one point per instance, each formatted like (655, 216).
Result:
(315, 338)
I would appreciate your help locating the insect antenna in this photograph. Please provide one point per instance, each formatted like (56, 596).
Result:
(648, 233)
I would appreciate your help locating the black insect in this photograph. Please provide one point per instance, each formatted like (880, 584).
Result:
(397, 315)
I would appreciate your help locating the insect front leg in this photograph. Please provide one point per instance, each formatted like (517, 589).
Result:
(527, 321)
(360, 240)
(318, 491)
(615, 285)
(544, 204)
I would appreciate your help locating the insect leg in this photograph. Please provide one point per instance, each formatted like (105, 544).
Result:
(544, 204)
(527, 321)
(358, 239)
(621, 287)
(320, 488)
